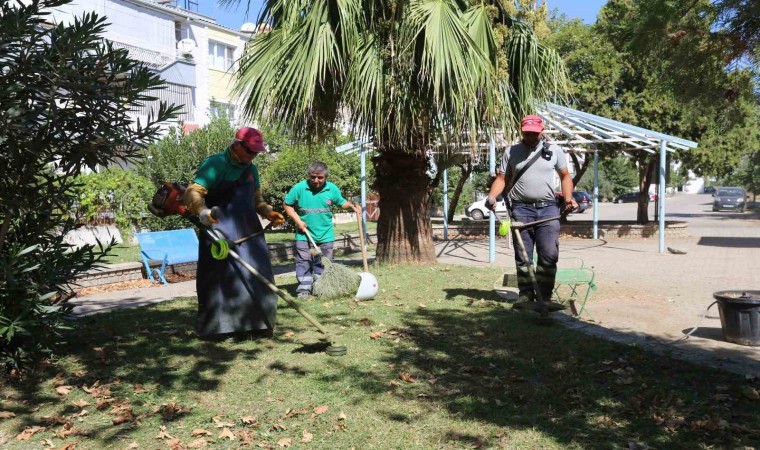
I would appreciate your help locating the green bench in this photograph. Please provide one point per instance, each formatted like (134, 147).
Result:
(573, 284)
(574, 280)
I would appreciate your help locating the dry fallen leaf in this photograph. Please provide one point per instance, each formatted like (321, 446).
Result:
(134, 445)
(751, 393)
(221, 424)
(307, 437)
(226, 433)
(28, 433)
(171, 411)
(7, 415)
(376, 334)
(321, 409)
(162, 434)
(289, 334)
(246, 437)
(80, 403)
(198, 443)
(63, 390)
(422, 306)
(248, 420)
(406, 377)
(342, 416)
(70, 446)
(200, 432)
(285, 442)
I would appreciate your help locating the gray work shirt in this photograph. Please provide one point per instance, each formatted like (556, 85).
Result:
(537, 183)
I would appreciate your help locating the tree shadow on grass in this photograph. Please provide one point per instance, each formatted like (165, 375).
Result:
(121, 353)
(492, 365)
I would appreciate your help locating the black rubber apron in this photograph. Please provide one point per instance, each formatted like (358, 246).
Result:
(230, 298)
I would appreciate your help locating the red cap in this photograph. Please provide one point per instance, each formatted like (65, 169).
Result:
(252, 138)
(533, 123)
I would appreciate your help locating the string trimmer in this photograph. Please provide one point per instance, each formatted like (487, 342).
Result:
(543, 307)
(221, 248)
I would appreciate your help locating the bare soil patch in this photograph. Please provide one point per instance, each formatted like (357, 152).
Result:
(135, 284)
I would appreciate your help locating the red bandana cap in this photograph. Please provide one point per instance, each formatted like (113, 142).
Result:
(251, 138)
(533, 124)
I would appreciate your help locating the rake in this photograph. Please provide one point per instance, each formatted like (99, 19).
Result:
(336, 280)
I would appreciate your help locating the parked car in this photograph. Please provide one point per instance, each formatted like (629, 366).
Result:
(709, 190)
(583, 199)
(732, 198)
(632, 197)
(478, 211)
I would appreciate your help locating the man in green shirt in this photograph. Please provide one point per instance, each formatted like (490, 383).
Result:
(309, 203)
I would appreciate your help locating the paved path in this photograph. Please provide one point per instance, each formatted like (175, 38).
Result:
(644, 297)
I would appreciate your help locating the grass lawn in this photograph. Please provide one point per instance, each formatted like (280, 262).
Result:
(434, 362)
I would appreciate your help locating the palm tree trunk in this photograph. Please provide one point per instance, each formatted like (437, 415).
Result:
(404, 230)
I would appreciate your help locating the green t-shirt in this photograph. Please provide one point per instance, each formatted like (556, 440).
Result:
(221, 167)
(315, 209)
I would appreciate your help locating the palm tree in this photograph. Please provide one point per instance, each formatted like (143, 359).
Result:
(406, 72)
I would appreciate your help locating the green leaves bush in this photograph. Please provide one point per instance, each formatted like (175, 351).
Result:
(65, 102)
(122, 191)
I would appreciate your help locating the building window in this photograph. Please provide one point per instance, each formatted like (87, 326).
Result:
(220, 56)
(219, 109)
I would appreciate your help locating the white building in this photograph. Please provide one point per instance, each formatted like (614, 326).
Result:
(192, 53)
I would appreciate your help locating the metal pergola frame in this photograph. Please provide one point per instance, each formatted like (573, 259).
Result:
(575, 131)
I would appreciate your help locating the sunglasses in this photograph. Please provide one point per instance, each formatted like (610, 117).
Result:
(247, 149)
(317, 177)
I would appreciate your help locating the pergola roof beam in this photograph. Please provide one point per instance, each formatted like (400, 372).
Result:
(631, 129)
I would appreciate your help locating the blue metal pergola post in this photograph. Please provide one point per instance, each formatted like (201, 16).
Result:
(596, 193)
(445, 204)
(661, 194)
(492, 216)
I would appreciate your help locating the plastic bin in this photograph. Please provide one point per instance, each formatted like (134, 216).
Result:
(740, 316)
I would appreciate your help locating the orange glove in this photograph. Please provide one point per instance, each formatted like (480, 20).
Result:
(276, 218)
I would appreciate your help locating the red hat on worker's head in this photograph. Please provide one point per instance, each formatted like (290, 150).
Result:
(533, 124)
(252, 139)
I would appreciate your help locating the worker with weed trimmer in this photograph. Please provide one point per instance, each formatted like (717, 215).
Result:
(226, 194)
(309, 203)
(526, 181)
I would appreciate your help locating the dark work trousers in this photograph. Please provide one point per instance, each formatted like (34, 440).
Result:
(309, 267)
(545, 238)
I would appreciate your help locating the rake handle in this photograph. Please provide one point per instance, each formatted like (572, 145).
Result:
(361, 240)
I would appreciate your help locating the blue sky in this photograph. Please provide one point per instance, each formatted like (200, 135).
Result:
(233, 17)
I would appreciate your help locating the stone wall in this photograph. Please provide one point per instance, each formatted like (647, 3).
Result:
(280, 252)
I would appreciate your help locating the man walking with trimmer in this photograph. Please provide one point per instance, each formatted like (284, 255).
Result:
(526, 180)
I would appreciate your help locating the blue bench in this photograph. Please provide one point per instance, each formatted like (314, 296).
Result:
(170, 247)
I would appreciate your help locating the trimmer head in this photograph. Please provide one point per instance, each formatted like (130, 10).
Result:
(336, 350)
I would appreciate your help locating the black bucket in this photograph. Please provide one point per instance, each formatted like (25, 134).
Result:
(740, 316)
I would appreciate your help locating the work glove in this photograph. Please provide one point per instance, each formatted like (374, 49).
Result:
(276, 218)
(207, 217)
(490, 202)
